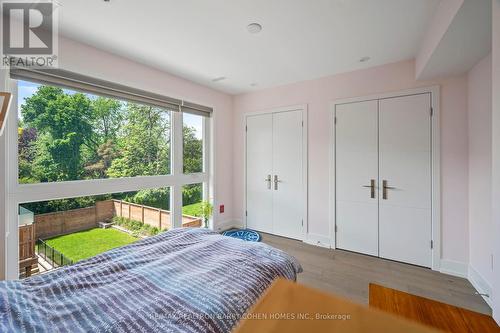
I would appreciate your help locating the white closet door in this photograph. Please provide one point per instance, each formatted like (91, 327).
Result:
(405, 164)
(288, 184)
(259, 172)
(356, 167)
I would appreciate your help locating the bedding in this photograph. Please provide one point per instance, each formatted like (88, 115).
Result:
(183, 280)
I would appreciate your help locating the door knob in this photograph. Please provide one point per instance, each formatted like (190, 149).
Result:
(372, 188)
(276, 181)
(268, 180)
(385, 187)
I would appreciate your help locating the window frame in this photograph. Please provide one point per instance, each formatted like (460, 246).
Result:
(21, 193)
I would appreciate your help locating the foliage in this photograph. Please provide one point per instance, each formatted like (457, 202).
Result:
(106, 153)
(202, 209)
(89, 243)
(145, 144)
(26, 151)
(192, 193)
(73, 136)
(136, 227)
(206, 209)
(66, 123)
(158, 198)
(107, 118)
(59, 205)
(193, 151)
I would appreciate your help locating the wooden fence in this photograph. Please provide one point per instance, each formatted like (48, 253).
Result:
(155, 217)
(27, 258)
(26, 242)
(69, 221)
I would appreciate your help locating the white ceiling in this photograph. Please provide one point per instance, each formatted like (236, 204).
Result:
(201, 40)
(466, 41)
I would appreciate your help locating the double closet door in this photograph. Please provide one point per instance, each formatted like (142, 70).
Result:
(274, 173)
(383, 178)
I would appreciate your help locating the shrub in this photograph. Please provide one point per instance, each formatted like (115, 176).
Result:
(137, 228)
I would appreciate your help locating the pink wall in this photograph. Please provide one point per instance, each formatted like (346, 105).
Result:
(480, 222)
(93, 62)
(318, 94)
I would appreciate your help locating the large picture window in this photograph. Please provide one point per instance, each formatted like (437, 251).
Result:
(77, 144)
(68, 135)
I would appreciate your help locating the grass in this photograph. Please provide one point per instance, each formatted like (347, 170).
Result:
(89, 243)
(86, 244)
(193, 209)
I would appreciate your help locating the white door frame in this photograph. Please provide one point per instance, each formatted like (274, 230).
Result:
(300, 107)
(435, 158)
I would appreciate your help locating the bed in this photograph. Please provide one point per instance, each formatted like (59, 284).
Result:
(183, 280)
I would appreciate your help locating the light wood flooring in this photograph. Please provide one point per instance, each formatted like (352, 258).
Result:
(348, 275)
(439, 315)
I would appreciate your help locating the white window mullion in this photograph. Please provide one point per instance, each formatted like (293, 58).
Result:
(206, 145)
(206, 163)
(11, 133)
(83, 188)
(177, 168)
(12, 240)
(11, 259)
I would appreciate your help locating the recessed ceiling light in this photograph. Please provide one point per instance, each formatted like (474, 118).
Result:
(254, 28)
(220, 78)
(364, 59)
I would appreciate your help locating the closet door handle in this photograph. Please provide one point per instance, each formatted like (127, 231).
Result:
(268, 180)
(372, 188)
(385, 188)
(276, 181)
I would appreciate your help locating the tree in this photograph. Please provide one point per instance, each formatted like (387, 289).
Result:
(66, 121)
(158, 197)
(191, 194)
(107, 118)
(27, 138)
(193, 151)
(106, 153)
(145, 146)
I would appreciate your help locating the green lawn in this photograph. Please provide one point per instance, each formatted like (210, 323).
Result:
(86, 244)
(193, 210)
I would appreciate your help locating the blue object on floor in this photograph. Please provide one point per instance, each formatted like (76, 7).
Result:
(245, 234)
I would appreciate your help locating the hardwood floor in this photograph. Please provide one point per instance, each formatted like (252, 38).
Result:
(439, 315)
(349, 274)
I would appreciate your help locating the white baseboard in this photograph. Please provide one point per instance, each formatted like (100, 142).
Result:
(455, 268)
(318, 240)
(228, 224)
(482, 286)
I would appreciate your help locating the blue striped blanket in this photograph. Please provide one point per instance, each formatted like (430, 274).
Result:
(183, 280)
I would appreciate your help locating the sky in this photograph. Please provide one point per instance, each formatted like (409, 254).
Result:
(26, 89)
